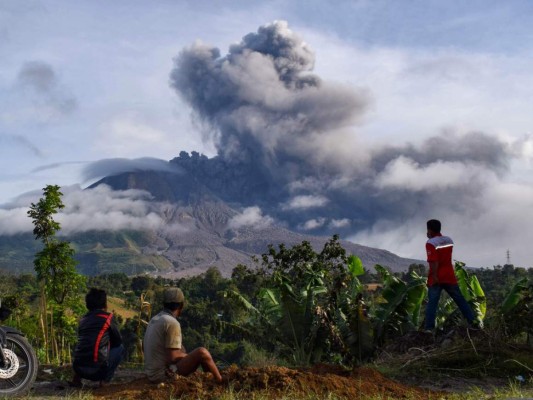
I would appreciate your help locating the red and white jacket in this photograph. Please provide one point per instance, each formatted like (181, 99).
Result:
(439, 249)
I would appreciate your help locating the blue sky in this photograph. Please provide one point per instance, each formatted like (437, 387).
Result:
(83, 81)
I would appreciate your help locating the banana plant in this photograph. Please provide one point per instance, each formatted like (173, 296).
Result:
(291, 317)
(353, 326)
(520, 292)
(516, 309)
(355, 330)
(399, 310)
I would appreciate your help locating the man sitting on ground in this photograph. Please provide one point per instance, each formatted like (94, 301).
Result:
(164, 353)
(99, 349)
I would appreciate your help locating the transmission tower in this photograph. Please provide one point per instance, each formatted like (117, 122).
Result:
(508, 257)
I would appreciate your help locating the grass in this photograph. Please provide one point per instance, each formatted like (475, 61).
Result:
(512, 391)
(480, 358)
(80, 395)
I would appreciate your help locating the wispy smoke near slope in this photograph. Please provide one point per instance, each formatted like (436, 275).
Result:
(21, 141)
(43, 87)
(115, 166)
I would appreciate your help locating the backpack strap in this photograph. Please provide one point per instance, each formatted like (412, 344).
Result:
(105, 327)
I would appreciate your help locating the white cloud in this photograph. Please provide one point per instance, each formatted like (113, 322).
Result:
(304, 202)
(313, 223)
(14, 221)
(409, 175)
(339, 223)
(252, 217)
(418, 91)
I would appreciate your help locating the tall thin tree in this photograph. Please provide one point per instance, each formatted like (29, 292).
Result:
(54, 264)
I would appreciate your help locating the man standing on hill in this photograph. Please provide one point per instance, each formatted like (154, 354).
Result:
(441, 275)
(99, 349)
(164, 353)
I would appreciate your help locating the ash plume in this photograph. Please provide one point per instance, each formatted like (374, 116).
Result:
(262, 101)
(271, 116)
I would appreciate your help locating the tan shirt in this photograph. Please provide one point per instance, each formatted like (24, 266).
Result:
(163, 333)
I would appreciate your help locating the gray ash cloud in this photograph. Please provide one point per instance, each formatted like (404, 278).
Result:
(262, 101)
(280, 131)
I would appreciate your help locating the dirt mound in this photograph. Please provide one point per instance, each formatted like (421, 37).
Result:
(319, 380)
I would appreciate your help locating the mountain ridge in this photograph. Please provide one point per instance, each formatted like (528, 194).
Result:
(205, 214)
(200, 203)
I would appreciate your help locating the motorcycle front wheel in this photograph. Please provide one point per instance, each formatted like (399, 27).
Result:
(20, 372)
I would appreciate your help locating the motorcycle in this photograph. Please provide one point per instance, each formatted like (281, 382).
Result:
(18, 362)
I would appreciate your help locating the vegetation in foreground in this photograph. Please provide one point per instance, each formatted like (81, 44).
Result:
(299, 307)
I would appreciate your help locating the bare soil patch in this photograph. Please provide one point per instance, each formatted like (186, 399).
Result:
(321, 380)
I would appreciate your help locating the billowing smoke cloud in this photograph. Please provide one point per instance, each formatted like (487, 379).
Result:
(92, 209)
(268, 110)
(262, 101)
(43, 87)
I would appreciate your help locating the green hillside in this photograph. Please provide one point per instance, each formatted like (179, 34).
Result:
(97, 252)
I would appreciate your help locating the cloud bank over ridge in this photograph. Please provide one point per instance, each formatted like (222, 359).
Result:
(100, 208)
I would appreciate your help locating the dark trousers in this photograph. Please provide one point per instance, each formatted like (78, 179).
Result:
(106, 372)
(433, 303)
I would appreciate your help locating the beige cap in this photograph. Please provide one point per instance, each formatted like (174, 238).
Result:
(173, 295)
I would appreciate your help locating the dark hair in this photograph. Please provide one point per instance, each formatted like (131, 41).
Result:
(173, 306)
(434, 225)
(96, 299)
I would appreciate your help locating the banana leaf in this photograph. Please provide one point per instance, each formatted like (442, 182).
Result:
(519, 291)
(517, 310)
(471, 290)
(416, 294)
(232, 294)
(355, 266)
(269, 303)
(402, 302)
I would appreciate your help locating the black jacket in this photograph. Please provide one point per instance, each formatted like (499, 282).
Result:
(97, 333)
